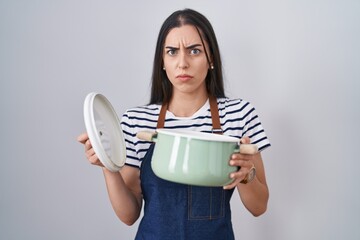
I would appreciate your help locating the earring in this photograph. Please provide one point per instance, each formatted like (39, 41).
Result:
(212, 67)
(164, 68)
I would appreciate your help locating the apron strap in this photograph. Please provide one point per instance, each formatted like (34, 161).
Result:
(214, 115)
(162, 114)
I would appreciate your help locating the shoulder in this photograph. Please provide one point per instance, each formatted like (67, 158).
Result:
(146, 113)
(139, 119)
(235, 106)
(146, 110)
(134, 120)
(239, 119)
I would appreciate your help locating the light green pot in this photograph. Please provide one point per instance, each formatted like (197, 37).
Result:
(194, 158)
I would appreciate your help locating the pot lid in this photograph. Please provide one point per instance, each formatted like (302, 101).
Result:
(104, 131)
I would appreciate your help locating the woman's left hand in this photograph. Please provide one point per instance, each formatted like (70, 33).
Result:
(244, 162)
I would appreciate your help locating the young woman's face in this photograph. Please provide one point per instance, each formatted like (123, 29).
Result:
(185, 60)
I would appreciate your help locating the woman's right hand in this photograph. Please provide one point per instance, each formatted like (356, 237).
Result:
(89, 151)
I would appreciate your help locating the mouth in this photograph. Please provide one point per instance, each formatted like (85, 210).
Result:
(184, 77)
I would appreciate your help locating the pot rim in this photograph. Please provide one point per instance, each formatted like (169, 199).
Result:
(198, 135)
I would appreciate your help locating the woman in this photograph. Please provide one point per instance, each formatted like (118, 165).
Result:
(187, 85)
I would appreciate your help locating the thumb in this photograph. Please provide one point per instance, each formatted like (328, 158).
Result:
(82, 138)
(245, 140)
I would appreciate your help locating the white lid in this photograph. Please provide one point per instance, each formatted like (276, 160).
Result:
(104, 131)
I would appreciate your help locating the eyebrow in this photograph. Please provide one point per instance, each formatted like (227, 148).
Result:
(188, 47)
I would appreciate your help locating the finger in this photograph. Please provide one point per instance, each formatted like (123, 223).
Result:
(243, 168)
(239, 174)
(89, 153)
(245, 140)
(232, 184)
(237, 177)
(82, 138)
(93, 159)
(88, 145)
(243, 157)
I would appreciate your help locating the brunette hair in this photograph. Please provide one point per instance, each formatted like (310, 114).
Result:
(161, 87)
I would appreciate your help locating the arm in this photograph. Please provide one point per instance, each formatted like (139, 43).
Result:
(254, 194)
(125, 193)
(123, 187)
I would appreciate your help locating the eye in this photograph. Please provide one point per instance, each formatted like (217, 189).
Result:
(171, 52)
(195, 51)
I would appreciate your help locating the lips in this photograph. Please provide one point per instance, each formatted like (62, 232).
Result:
(184, 77)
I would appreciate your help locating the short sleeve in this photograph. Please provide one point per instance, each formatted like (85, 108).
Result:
(130, 141)
(254, 129)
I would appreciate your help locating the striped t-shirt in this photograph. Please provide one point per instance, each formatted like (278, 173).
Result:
(237, 117)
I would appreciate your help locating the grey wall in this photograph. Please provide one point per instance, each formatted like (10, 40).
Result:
(296, 61)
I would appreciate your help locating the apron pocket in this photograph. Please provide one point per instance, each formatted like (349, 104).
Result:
(205, 203)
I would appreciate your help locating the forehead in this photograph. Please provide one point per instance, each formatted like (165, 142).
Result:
(186, 34)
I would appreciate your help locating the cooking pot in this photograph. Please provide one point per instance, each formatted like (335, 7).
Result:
(194, 158)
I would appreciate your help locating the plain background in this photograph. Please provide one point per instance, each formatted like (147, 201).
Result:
(297, 61)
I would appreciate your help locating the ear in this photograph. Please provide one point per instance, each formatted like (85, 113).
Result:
(211, 62)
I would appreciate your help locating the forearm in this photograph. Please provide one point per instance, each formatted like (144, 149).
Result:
(125, 202)
(254, 195)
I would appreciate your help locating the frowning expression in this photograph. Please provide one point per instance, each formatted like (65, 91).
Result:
(185, 60)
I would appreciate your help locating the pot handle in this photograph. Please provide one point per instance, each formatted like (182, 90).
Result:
(147, 136)
(247, 148)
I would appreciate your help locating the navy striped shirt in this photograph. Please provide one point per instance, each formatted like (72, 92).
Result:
(238, 118)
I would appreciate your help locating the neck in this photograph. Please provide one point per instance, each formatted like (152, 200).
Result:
(185, 105)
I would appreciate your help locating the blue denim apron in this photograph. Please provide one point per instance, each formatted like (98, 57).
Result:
(178, 211)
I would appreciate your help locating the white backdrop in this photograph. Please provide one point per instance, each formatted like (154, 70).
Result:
(297, 61)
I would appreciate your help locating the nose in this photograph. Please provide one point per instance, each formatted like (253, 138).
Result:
(183, 61)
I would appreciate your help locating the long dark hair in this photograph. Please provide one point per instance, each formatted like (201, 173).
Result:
(161, 88)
